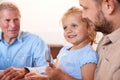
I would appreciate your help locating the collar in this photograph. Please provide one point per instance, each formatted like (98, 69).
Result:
(0, 36)
(19, 37)
(112, 37)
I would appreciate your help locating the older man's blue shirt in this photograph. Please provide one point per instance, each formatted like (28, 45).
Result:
(26, 50)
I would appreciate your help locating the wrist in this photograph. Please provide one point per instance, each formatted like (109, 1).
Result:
(26, 70)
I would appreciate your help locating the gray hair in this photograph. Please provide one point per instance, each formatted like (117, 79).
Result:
(9, 6)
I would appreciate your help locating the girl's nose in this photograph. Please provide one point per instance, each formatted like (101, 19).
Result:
(69, 30)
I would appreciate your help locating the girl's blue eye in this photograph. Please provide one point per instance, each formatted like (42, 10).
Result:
(65, 27)
(74, 25)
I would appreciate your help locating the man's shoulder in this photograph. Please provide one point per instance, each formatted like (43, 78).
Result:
(28, 34)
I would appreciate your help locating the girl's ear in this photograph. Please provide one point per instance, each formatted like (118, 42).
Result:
(110, 6)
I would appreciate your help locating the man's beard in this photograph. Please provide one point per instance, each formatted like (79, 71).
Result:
(103, 25)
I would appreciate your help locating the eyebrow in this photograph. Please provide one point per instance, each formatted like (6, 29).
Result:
(82, 5)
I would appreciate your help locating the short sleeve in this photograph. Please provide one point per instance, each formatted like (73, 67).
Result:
(89, 57)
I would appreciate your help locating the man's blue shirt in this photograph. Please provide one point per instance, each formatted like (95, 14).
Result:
(26, 50)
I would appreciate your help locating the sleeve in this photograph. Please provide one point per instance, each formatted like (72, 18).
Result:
(40, 47)
(38, 52)
(40, 70)
(89, 57)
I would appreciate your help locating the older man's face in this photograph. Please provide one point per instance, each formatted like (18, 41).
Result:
(9, 23)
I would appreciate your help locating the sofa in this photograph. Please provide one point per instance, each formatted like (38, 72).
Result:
(55, 48)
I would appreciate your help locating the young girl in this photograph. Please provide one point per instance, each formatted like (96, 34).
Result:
(76, 62)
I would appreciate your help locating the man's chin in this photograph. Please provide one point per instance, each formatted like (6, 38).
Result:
(13, 36)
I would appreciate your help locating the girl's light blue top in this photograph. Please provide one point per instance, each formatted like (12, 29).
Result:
(71, 61)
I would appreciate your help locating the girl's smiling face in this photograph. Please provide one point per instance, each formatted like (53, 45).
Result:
(75, 30)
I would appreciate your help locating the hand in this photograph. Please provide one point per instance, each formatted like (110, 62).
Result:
(13, 74)
(54, 73)
(50, 70)
(1, 74)
(35, 76)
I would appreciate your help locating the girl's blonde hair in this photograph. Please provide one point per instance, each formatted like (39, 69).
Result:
(74, 11)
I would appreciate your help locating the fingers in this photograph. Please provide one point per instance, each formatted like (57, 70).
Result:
(35, 76)
(17, 77)
(30, 74)
(12, 74)
(27, 78)
(7, 76)
(31, 78)
(50, 67)
(1, 75)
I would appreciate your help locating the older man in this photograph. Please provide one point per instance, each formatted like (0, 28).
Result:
(18, 49)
